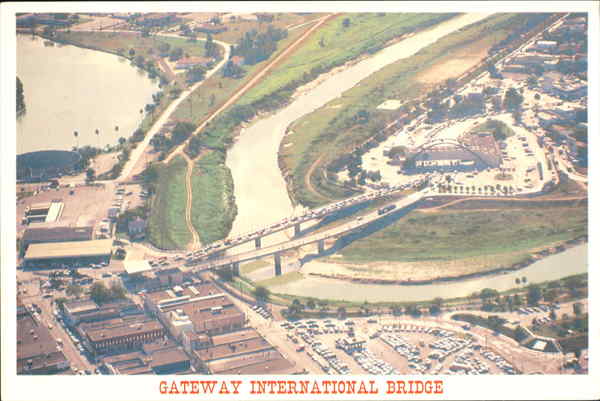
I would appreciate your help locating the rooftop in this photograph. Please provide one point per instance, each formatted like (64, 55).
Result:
(136, 266)
(119, 327)
(231, 349)
(57, 233)
(57, 250)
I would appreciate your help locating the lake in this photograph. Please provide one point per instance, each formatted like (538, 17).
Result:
(69, 89)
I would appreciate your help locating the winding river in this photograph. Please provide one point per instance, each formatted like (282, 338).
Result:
(69, 89)
(572, 261)
(260, 190)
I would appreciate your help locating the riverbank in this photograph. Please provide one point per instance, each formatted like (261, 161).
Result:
(572, 261)
(528, 260)
(325, 137)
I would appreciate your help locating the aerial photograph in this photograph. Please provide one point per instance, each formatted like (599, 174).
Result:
(312, 193)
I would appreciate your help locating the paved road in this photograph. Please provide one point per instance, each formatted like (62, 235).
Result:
(352, 225)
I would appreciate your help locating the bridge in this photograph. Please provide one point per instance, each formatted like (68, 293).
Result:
(296, 222)
(318, 238)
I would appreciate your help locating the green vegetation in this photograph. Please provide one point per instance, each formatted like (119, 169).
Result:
(450, 235)
(337, 129)
(100, 293)
(334, 45)
(145, 46)
(213, 207)
(166, 227)
(498, 128)
(220, 87)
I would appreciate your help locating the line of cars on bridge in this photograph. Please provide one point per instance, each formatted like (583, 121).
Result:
(199, 255)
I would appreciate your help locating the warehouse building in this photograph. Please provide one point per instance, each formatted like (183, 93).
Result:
(74, 253)
(55, 234)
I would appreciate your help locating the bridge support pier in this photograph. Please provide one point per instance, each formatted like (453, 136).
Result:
(235, 268)
(296, 229)
(321, 246)
(277, 264)
(257, 242)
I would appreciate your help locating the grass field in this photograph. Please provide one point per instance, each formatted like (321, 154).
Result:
(213, 205)
(218, 89)
(330, 131)
(167, 228)
(145, 46)
(335, 44)
(449, 235)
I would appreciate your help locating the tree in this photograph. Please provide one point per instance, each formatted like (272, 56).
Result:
(117, 291)
(90, 174)
(99, 293)
(76, 135)
(131, 52)
(346, 22)
(74, 290)
(552, 314)
(310, 304)
(261, 293)
(512, 99)
(577, 308)
(534, 294)
(176, 54)
(20, 98)
(341, 311)
(195, 74)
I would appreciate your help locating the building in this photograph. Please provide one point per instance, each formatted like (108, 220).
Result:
(137, 228)
(351, 344)
(84, 311)
(474, 151)
(72, 253)
(120, 334)
(159, 358)
(240, 352)
(37, 351)
(545, 45)
(47, 212)
(56, 234)
(202, 309)
(189, 62)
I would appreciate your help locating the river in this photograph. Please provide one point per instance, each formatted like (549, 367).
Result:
(69, 89)
(260, 190)
(572, 261)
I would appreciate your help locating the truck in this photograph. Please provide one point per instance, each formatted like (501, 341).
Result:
(386, 209)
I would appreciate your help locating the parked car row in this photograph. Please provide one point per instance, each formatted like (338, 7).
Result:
(499, 361)
(262, 311)
(373, 365)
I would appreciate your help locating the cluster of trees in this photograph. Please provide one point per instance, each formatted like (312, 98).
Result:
(231, 70)
(210, 47)
(256, 47)
(513, 100)
(195, 74)
(164, 143)
(101, 294)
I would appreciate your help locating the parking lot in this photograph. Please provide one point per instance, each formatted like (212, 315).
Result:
(405, 346)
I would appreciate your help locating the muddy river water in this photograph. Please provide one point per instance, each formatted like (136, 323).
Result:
(260, 190)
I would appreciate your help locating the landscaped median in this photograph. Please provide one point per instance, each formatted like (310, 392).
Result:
(167, 227)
